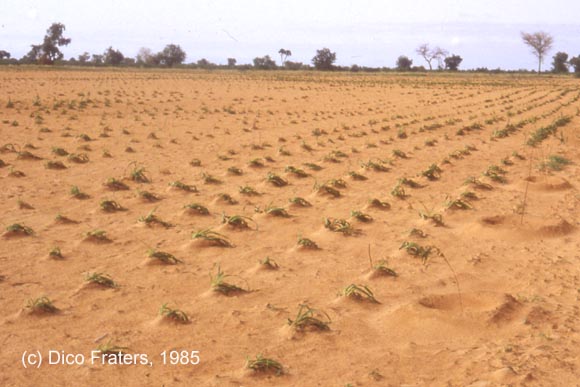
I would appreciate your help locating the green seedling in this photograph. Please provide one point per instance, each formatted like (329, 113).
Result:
(197, 209)
(399, 191)
(98, 236)
(469, 195)
(336, 183)
(163, 257)
(59, 151)
(417, 250)
(195, 163)
(182, 186)
(312, 166)
(256, 163)
(359, 293)
(296, 171)
(138, 174)
(115, 185)
(326, 189)
(80, 158)
(237, 221)
(55, 253)
(555, 163)
(212, 237)
(235, 171)
(361, 216)
(357, 176)
(339, 225)
(151, 219)
(376, 203)
(101, 279)
(41, 305)
(417, 233)
(265, 365)
(16, 173)
(477, 184)
(276, 211)
(76, 193)
(26, 155)
(276, 180)
(269, 263)
(435, 218)
(309, 318)
(249, 191)
(59, 218)
(110, 206)
(399, 153)
(209, 179)
(54, 165)
(175, 315)
(8, 148)
(308, 244)
(18, 229)
(375, 166)
(458, 204)
(300, 202)
(226, 198)
(148, 196)
(432, 173)
(409, 182)
(218, 283)
(110, 349)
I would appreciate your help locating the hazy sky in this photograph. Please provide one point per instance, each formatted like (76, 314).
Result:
(372, 33)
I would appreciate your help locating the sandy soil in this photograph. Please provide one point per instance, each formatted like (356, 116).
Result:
(493, 301)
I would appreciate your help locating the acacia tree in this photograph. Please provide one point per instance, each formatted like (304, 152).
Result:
(4, 54)
(452, 62)
(429, 54)
(324, 59)
(560, 63)
(113, 57)
(404, 63)
(284, 54)
(540, 43)
(172, 55)
(48, 51)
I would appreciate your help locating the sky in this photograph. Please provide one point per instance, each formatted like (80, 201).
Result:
(364, 32)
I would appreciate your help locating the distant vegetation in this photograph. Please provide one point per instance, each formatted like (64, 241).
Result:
(437, 59)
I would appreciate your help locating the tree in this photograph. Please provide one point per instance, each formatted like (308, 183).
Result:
(145, 57)
(324, 59)
(289, 65)
(560, 63)
(575, 62)
(404, 63)
(452, 62)
(84, 57)
(48, 51)
(113, 57)
(4, 54)
(232, 62)
(429, 54)
(284, 54)
(540, 43)
(97, 59)
(264, 63)
(172, 55)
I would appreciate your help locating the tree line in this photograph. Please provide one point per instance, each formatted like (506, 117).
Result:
(48, 53)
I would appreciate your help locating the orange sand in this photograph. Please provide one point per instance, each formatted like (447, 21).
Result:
(514, 321)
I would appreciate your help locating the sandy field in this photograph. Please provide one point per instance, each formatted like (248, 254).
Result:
(288, 229)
